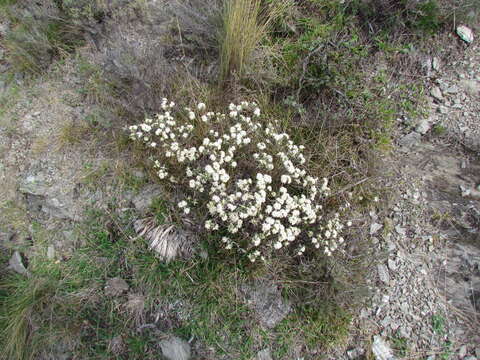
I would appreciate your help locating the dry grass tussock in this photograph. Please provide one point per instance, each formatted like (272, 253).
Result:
(245, 25)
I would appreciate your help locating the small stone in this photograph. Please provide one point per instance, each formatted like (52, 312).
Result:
(175, 348)
(36, 113)
(266, 300)
(264, 354)
(16, 264)
(409, 140)
(383, 273)
(470, 358)
(51, 252)
(463, 351)
(364, 314)
(436, 93)
(116, 286)
(442, 110)
(423, 127)
(392, 265)
(452, 89)
(436, 64)
(386, 321)
(477, 352)
(400, 230)
(472, 87)
(145, 197)
(374, 228)
(139, 174)
(116, 345)
(465, 33)
(381, 350)
(355, 353)
(394, 326)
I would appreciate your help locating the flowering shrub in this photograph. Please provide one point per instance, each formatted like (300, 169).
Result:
(248, 177)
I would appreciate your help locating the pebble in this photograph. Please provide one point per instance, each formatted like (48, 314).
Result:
(175, 348)
(116, 286)
(381, 350)
(355, 353)
(436, 93)
(465, 33)
(443, 110)
(423, 127)
(16, 264)
(400, 230)
(409, 140)
(452, 90)
(383, 273)
(463, 351)
(374, 227)
(392, 265)
(51, 252)
(264, 354)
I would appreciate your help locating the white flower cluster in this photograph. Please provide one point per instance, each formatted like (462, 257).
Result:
(251, 175)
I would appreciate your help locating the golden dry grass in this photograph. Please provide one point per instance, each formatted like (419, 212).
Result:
(245, 24)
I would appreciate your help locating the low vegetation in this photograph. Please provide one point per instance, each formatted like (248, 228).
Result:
(327, 80)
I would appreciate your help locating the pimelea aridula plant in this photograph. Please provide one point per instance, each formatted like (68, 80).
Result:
(248, 176)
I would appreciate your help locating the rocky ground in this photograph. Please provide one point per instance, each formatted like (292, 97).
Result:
(426, 288)
(425, 298)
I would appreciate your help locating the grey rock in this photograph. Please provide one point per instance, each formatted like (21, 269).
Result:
(409, 140)
(423, 127)
(266, 301)
(400, 230)
(472, 87)
(465, 33)
(355, 353)
(470, 358)
(386, 322)
(175, 348)
(34, 185)
(264, 354)
(436, 93)
(43, 197)
(392, 265)
(477, 352)
(381, 350)
(16, 264)
(452, 90)
(144, 199)
(383, 273)
(463, 351)
(374, 227)
(116, 286)
(51, 252)
(442, 110)
(60, 207)
(4, 27)
(436, 64)
(116, 345)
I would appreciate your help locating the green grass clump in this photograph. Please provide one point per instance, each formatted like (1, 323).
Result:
(63, 301)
